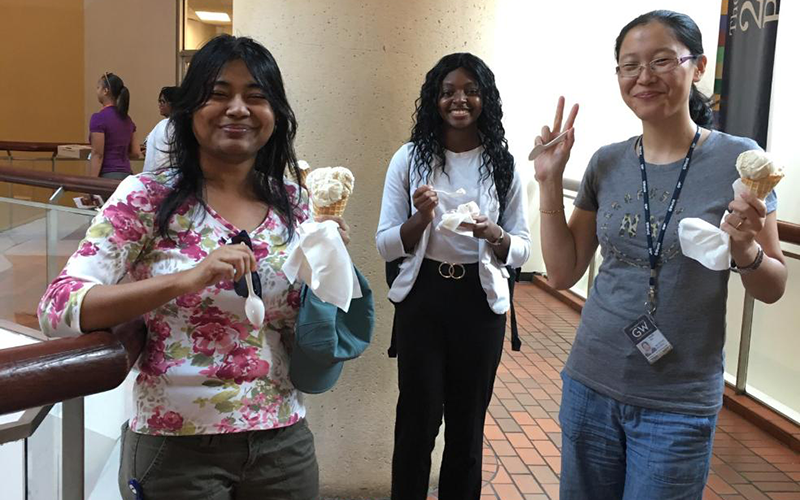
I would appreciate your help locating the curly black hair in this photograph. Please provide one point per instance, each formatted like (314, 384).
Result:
(272, 160)
(426, 135)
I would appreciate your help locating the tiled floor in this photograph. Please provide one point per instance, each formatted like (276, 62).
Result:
(522, 456)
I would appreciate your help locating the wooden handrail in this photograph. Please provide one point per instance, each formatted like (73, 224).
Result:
(61, 369)
(75, 183)
(34, 147)
(789, 232)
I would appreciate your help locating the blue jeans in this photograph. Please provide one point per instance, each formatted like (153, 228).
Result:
(614, 451)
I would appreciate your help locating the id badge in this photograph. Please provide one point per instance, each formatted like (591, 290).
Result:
(646, 336)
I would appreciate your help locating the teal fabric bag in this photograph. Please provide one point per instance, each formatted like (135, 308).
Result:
(326, 337)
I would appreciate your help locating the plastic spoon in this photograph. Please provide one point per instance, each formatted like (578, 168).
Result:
(539, 148)
(253, 306)
(457, 192)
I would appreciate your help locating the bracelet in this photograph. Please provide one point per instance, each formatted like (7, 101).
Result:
(498, 241)
(551, 212)
(752, 267)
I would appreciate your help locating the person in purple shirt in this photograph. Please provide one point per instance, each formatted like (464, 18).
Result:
(112, 133)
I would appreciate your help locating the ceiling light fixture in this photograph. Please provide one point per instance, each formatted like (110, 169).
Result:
(218, 17)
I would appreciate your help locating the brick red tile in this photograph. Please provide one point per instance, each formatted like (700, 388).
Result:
(514, 465)
(784, 496)
(768, 487)
(546, 448)
(543, 474)
(719, 485)
(501, 477)
(766, 476)
(548, 425)
(551, 490)
(750, 492)
(526, 483)
(502, 448)
(530, 456)
(507, 492)
(522, 418)
(534, 432)
(554, 463)
(493, 432)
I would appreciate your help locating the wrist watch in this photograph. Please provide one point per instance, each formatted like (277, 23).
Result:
(498, 241)
(752, 267)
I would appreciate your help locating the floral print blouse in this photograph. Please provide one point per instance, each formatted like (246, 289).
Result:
(205, 369)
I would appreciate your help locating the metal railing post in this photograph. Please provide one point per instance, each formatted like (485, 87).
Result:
(72, 449)
(51, 218)
(744, 343)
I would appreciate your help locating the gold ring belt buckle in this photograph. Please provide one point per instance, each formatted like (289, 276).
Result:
(451, 271)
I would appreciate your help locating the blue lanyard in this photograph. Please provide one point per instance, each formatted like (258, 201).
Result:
(654, 251)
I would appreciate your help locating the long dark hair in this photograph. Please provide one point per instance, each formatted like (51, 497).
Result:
(272, 159)
(119, 92)
(496, 161)
(687, 32)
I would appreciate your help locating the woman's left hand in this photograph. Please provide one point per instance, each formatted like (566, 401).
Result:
(484, 228)
(747, 218)
(344, 229)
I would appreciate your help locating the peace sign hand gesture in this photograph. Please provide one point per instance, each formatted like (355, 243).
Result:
(550, 164)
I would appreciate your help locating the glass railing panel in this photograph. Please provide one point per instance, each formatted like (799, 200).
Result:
(733, 327)
(25, 251)
(44, 458)
(773, 375)
(23, 258)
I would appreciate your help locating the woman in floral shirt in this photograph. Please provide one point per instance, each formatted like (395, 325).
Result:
(216, 415)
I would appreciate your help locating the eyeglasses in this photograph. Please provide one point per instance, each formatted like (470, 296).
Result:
(660, 65)
(240, 287)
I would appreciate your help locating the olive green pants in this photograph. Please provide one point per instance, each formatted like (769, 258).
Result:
(255, 465)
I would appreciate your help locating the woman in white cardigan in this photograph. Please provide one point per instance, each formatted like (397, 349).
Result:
(452, 289)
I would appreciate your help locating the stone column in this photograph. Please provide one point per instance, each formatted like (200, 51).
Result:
(352, 70)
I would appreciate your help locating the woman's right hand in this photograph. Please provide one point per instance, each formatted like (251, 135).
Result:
(425, 201)
(229, 262)
(550, 164)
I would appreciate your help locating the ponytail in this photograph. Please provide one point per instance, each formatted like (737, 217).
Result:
(700, 108)
(123, 102)
(120, 93)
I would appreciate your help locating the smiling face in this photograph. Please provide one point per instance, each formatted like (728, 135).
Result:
(459, 102)
(657, 96)
(237, 120)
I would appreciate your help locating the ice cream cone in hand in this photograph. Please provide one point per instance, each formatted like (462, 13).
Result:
(330, 187)
(758, 172)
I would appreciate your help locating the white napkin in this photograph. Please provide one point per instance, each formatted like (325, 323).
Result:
(320, 260)
(452, 219)
(705, 243)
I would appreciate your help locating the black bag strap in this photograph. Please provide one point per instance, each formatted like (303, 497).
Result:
(516, 343)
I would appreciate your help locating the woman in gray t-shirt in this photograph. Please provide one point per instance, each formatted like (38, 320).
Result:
(643, 383)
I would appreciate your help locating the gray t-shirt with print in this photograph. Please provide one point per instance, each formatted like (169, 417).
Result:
(691, 299)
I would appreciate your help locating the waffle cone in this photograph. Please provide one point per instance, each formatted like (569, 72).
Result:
(303, 175)
(337, 209)
(762, 187)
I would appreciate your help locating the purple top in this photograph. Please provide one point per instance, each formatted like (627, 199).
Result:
(118, 133)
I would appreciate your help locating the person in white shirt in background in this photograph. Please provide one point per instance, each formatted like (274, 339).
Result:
(157, 142)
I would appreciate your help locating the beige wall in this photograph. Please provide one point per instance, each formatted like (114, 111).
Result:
(352, 73)
(137, 41)
(41, 61)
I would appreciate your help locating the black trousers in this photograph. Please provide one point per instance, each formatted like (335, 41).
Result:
(449, 344)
